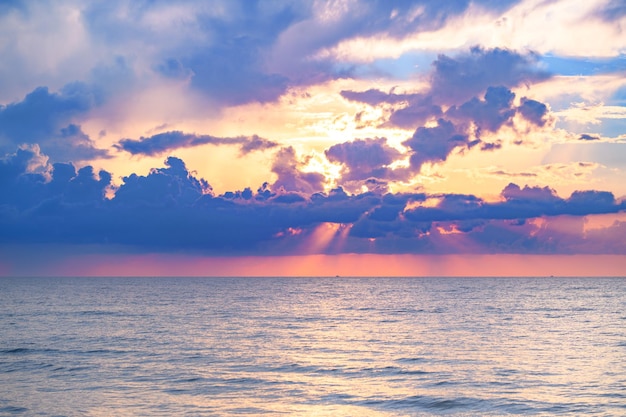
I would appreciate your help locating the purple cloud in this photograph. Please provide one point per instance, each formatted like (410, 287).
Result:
(490, 114)
(167, 141)
(612, 11)
(533, 111)
(374, 97)
(46, 119)
(170, 186)
(363, 158)
(434, 144)
(588, 137)
(458, 79)
(291, 178)
(419, 110)
(171, 210)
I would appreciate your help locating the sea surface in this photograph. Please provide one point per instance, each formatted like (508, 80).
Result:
(312, 346)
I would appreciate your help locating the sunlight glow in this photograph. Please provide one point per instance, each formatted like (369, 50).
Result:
(331, 265)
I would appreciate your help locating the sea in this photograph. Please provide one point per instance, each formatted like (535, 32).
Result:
(312, 346)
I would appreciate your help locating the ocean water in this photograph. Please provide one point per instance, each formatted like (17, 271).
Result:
(312, 346)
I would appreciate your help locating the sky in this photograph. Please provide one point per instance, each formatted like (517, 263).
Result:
(313, 137)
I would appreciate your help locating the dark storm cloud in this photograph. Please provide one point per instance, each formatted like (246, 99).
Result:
(171, 210)
(46, 119)
(167, 141)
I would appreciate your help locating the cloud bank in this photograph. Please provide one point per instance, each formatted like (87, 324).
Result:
(354, 126)
(170, 209)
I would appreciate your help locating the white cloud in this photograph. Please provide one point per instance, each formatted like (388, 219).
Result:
(584, 113)
(561, 27)
(47, 44)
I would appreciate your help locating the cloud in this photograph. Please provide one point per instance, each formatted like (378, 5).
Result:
(219, 47)
(419, 110)
(612, 11)
(513, 192)
(226, 54)
(583, 113)
(592, 29)
(147, 64)
(587, 136)
(363, 158)
(434, 144)
(389, 30)
(290, 177)
(533, 111)
(490, 114)
(18, 181)
(504, 173)
(30, 183)
(328, 32)
(374, 97)
(610, 154)
(458, 79)
(256, 143)
(231, 73)
(591, 202)
(167, 141)
(169, 209)
(169, 186)
(519, 203)
(455, 83)
(46, 119)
